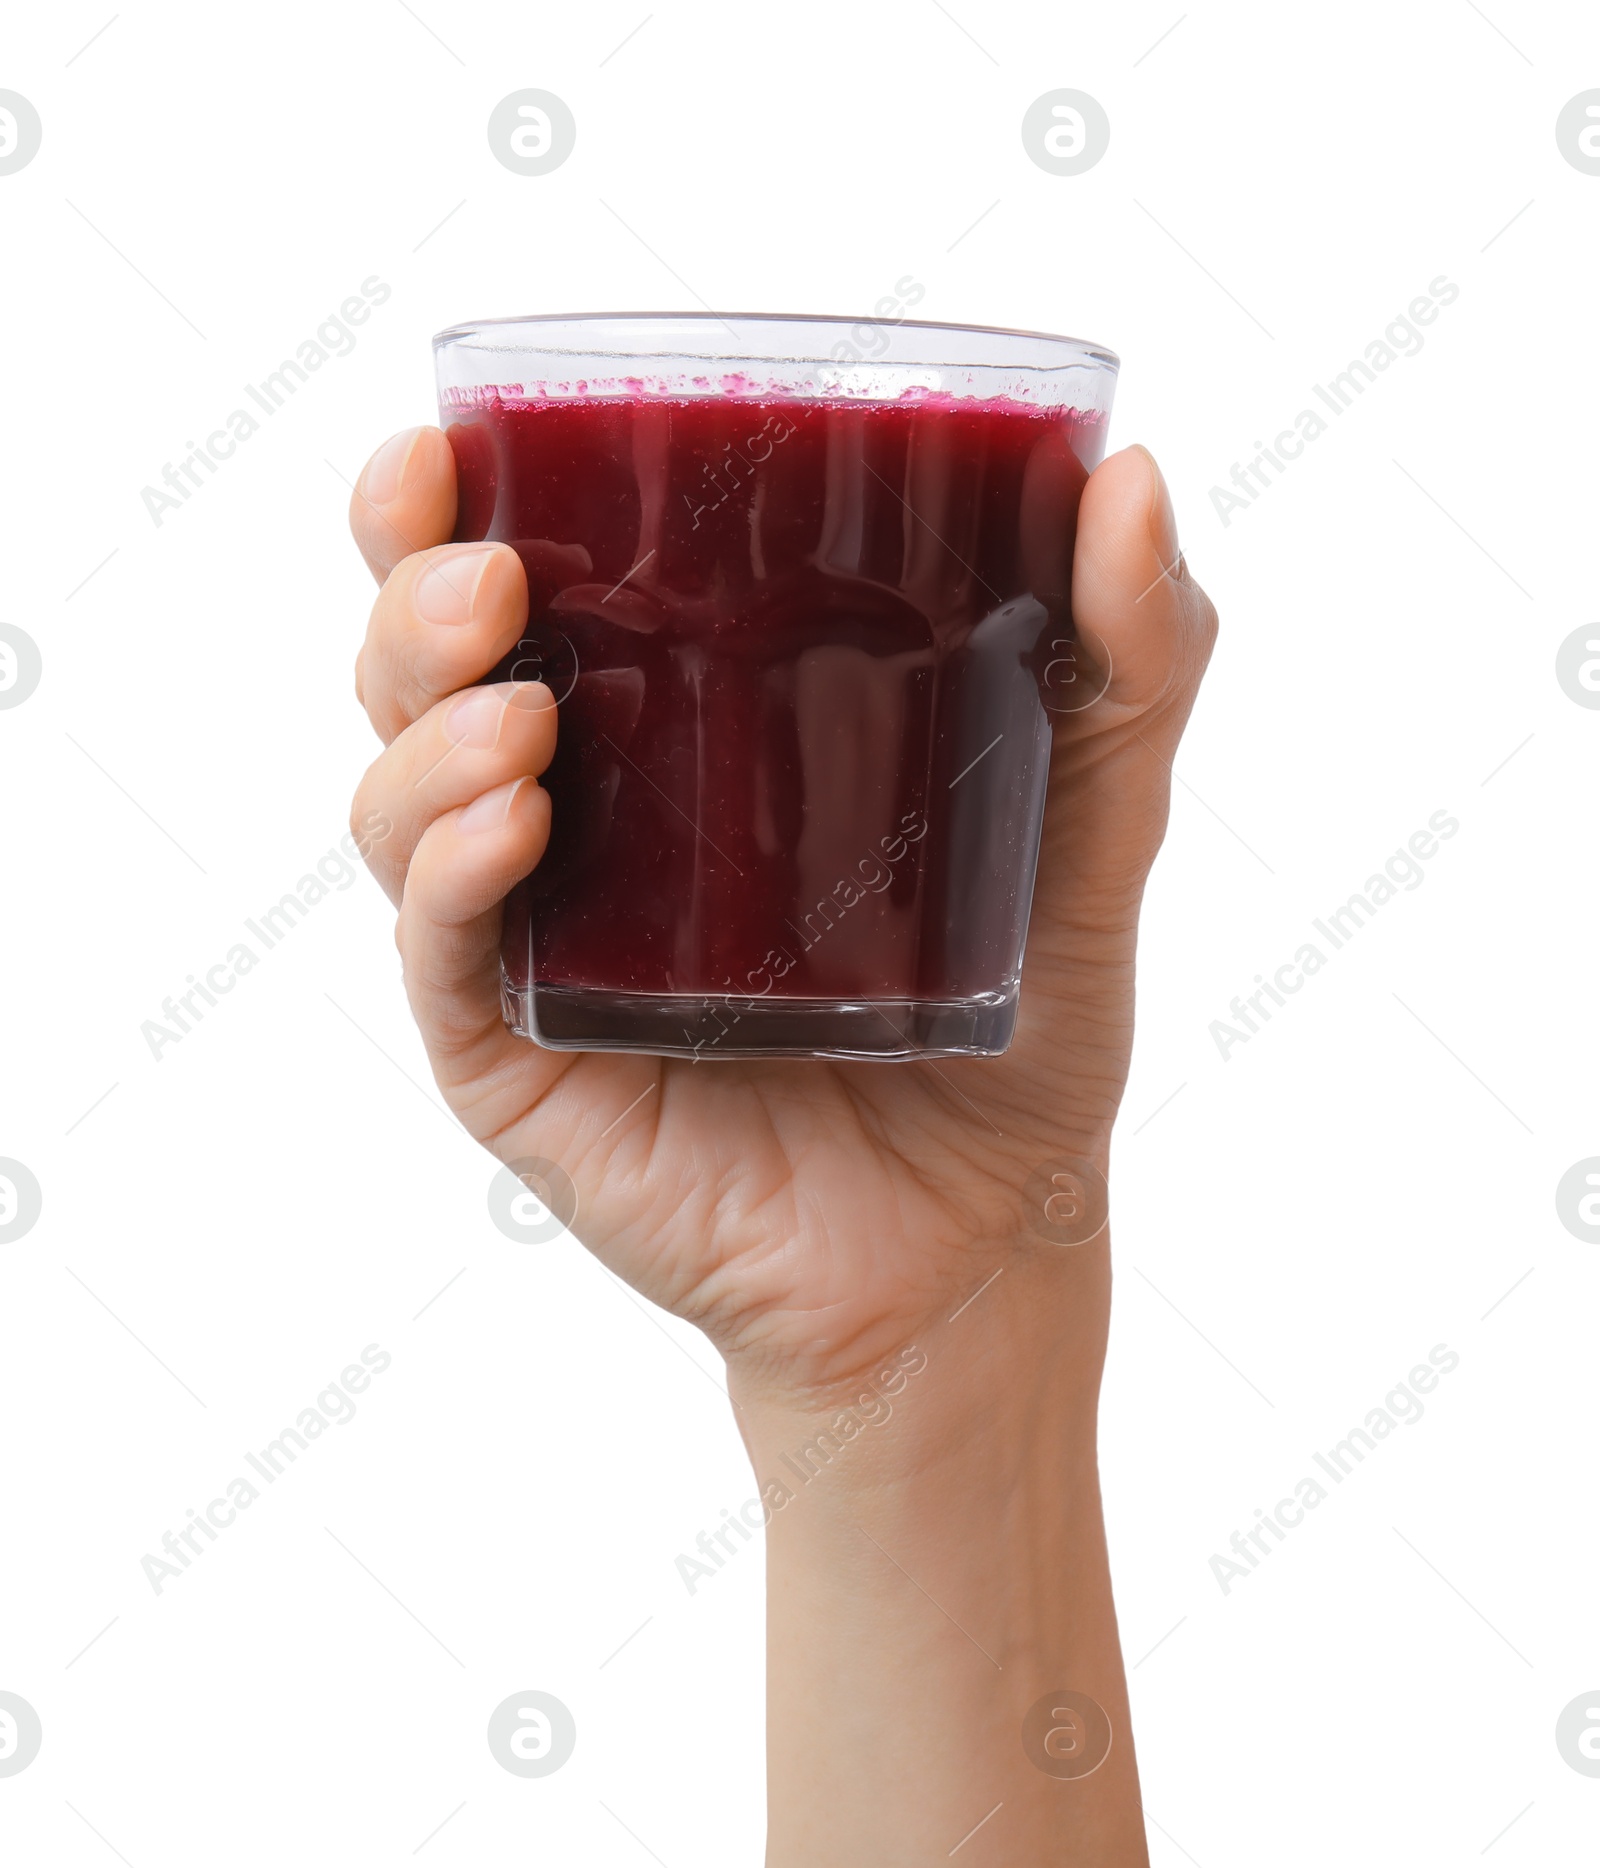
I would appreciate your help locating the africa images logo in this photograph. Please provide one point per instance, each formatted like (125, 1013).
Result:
(1402, 1406)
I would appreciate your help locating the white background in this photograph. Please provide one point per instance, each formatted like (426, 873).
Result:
(1295, 1229)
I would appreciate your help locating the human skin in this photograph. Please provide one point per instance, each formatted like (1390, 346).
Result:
(827, 1222)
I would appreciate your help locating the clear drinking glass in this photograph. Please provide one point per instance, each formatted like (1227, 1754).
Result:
(800, 588)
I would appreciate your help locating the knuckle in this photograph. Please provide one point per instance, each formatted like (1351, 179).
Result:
(413, 694)
(1206, 622)
(361, 812)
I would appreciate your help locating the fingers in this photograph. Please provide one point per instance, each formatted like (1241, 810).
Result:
(473, 743)
(1145, 623)
(441, 621)
(405, 500)
(457, 779)
(449, 940)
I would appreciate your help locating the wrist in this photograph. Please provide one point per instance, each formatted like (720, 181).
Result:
(937, 1579)
(990, 1393)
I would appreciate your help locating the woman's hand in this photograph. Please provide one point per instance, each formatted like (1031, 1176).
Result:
(943, 1662)
(811, 1217)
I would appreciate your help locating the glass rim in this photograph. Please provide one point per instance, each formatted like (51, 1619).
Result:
(1054, 350)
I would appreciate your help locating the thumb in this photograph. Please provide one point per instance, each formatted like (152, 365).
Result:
(1145, 631)
(1147, 628)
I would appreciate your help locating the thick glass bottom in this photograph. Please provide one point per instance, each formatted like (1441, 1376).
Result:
(706, 1027)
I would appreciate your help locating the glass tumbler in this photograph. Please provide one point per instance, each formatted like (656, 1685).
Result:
(800, 589)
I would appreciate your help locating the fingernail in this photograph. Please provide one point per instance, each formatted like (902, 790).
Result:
(474, 717)
(1162, 521)
(444, 592)
(380, 481)
(491, 810)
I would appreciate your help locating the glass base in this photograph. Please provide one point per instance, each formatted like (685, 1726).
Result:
(695, 1025)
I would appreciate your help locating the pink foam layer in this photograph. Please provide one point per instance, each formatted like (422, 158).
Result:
(619, 392)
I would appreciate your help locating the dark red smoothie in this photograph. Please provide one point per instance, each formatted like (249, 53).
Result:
(798, 648)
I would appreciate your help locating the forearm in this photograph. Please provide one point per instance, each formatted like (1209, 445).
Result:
(932, 1577)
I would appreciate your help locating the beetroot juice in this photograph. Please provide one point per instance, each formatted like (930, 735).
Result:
(799, 642)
